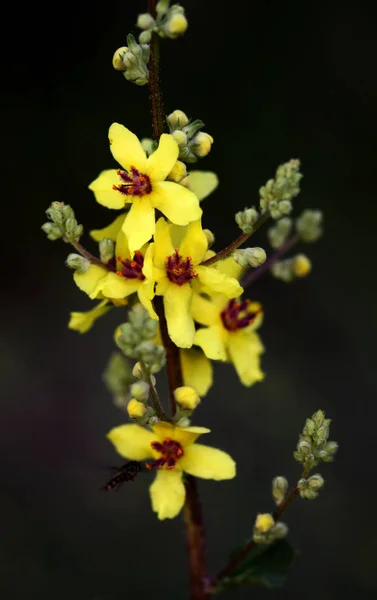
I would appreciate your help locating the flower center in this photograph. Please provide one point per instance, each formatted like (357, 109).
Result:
(133, 183)
(238, 315)
(170, 452)
(132, 269)
(178, 269)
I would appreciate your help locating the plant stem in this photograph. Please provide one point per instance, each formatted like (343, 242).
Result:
(153, 396)
(241, 239)
(254, 274)
(93, 259)
(191, 511)
(242, 554)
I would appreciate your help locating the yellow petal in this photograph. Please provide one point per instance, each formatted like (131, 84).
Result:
(110, 232)
(211, 341)
(185, 436)
(104, 192)
(116, 286)
(245, 350)
(230, 267)
(148, 263)
(202, 183)
(205, 311)
(161, 162)
(126, 148)
(167, 493)
(208, 463)
(83, 321)
(213, 280)
(88, 282)
(132, 441)
(144, 292)
(196, 370)
(176, 202)
(177, 304)
(163, 246)
(194, 243)
(139, 224)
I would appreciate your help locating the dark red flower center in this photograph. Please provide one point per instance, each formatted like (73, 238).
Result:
(238, 314)
(170, 452)
(178, 269)
(132, 269)
(133, 183)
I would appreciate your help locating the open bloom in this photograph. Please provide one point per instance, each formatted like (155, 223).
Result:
(229, 331)
(83, 321)
(177, 269)
(131, 274)
(172, 451)
(141, 183)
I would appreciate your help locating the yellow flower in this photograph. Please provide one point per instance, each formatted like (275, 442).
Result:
(202, 183)
(187, 397)
(176, 267)
(173, 451)
(196, 370)
(132, 275)
(229, 332)
(83, 321)
(142, 184)
(264, 522)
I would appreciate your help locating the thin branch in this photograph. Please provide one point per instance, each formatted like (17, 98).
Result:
(241, 239)
(153, 396)
(254, 274)
(93, 259)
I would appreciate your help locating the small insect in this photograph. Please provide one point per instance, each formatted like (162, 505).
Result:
(126, 472)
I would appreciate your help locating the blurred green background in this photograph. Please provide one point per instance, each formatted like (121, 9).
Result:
(271, 81)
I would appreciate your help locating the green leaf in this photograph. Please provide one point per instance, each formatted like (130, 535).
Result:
(266, 565)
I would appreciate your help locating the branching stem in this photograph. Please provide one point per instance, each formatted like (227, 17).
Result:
(93, 259)
(254, 274)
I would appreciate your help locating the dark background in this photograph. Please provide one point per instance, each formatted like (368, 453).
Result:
(271, 81)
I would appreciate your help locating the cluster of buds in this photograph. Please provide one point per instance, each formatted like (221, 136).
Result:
(287, 270)
(192, 143)
(62, 223)
(135, 339)
(308, 488)
(246, 219)
(267, 531)
(77, 263)
(250, 257)
(313, 446)
(278, 234)
(170, 22)
(309, 225)
(278, 193)
(133, 60)
(118, 378)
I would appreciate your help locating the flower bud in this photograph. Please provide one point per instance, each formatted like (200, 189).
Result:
(183, 422)
(178, 172)
(264, 523)
(210, 237)
(136, 409)
(316, 481)
(137, 371)
(78, 263)
(52, 231)
(250, 257)
(280, 531)
(180, 137)
(106, 250)
(118, 62)
(309, 225)
(140, 390)
(176, 23)
(177, 119)
(301, 265)
(279, 489)
(201, 144)
(186, 397)
(145, 36)
(145, 21)
(245, 219)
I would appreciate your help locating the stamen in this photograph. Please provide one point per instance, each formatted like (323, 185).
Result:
(170, 451)
(178, 269)
(133, 183)
(237, 315)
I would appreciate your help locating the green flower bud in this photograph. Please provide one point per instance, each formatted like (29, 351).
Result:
(78, 263)
(201, 144)
(183, 422)
(309, 225)
(246, 219)
(250, 257)
(137, 371)
(278, 234)
(145, 21)
(280, 531)
(118, 62)
(191, 129)
(279, 489)
(278, 192)
(174, 22)
(106, 250)
(180, 137)
(177, 119)
(147, 145)
(145, 37)
(140, 391)
(315, 482)
(53, 232)
(153, 421)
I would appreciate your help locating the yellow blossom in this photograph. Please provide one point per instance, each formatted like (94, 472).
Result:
(83, 321)
(186, 397)
(173, 451)
(136, 409)
(229, 330)
(301, 265)
(176, 268)
(196, 370)
(264, 523)
(142, 184)
(132, 274)
(202, 183)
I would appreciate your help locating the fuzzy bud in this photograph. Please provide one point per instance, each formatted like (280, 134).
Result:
(301, 265)
(175, 22)
(250, 257)
(118, 62)
(53, 232)
(140, 391)
(136, 409)
(186, 397)
(106, 250)
(278, 234)
(78, 263)
(145, 36)
(246, 219)
(201, 144)
(145, 21)
(279, 489)
(137, 371)
(264, 523)
(183, 422)
(177, 119)
(180, 137)
(309, 225)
